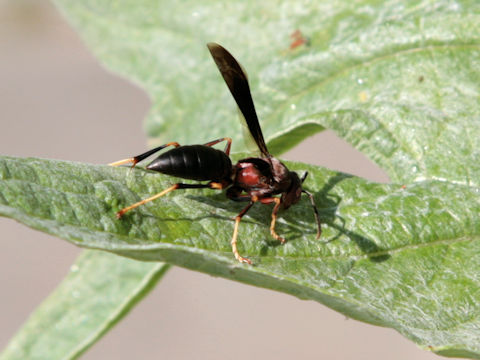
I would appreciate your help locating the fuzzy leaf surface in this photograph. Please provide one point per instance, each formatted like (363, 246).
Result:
(391, 255)
(398, 80)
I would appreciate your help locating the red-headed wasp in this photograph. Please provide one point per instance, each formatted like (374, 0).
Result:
(254, 179)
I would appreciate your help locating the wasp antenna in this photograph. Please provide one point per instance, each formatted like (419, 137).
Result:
(304, 177)
(317, 218)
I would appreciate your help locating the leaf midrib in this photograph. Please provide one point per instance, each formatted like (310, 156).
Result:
(147, 247)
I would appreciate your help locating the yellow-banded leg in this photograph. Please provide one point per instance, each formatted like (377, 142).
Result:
(227, 147)
(277, 202)
(238, 218)
(235, 234)
(134, 160)
(210, 185)
(274, 220)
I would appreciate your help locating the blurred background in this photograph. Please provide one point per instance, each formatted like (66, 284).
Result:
(57, 102)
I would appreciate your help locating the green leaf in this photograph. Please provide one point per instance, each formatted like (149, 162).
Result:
(391, 255)
(399, 81)
(100, 289)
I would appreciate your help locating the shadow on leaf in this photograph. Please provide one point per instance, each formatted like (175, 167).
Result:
(329, 216)
(296, 225)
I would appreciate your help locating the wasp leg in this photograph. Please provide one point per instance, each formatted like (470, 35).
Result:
(134, 160)
(211, 185)
(235, 234)
(312, 201)
(317, 218)
(227, 147)
(277, 202)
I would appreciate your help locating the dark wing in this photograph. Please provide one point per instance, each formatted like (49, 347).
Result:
(237, 82)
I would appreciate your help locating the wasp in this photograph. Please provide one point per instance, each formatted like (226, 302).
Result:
(263, 179)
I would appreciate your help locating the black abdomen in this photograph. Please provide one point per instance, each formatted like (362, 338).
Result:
(194, 162)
